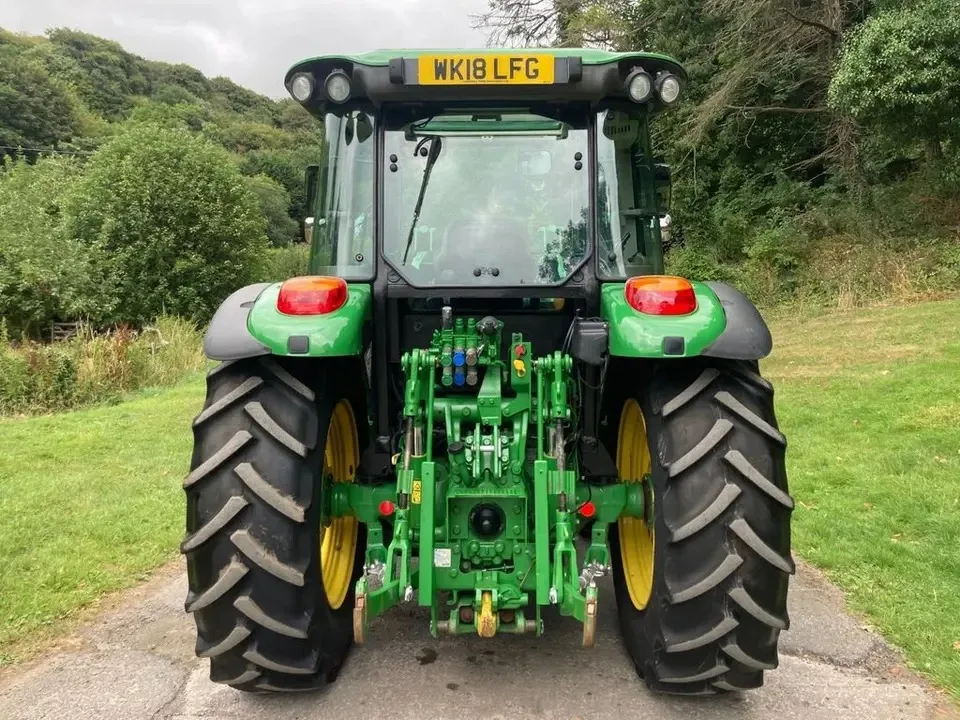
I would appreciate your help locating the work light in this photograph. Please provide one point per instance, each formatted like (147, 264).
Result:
(668, 87)
(302, 87)
(639, 86)
(338, 86)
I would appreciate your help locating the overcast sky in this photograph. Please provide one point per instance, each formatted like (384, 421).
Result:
(253, 42)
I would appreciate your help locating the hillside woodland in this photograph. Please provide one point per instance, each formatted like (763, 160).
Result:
(131, 188)
(816, 158)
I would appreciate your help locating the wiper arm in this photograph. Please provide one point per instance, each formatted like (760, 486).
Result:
(434, 152)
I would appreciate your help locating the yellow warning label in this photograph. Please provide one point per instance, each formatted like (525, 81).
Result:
(415, 495)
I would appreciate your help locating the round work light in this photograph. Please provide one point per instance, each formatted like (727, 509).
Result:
(337, 86)
(302, 87)
(668, 87)
(639, 86)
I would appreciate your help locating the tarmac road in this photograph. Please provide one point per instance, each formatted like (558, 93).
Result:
(138, 663)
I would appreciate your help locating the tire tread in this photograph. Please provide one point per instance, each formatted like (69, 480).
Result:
(255, 591)
(723, 565)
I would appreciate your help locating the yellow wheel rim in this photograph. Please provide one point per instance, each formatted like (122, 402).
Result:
(338, 540)
(636, 537)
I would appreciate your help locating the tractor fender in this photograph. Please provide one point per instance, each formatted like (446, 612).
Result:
(636, 335)
(228, 338)
(338, 333)
(745, 335)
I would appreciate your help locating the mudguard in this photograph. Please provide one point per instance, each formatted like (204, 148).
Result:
(745, 335)
(337, 333)
(248, 324)
(724, 325)
(227, 337)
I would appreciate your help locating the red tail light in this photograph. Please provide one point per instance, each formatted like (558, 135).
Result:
(386, 508)
(312, 295)
(661, 295)
(588, 509)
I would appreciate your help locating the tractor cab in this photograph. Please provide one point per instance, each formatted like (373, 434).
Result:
(510, 182)
(460, 171)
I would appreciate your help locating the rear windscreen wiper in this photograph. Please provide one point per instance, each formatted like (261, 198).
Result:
(432, 154)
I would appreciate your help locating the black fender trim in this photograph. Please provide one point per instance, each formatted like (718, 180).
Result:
(746, 335)
(227, 337)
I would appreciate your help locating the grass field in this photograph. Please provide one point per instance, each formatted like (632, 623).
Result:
(870, 401)
(90, 502)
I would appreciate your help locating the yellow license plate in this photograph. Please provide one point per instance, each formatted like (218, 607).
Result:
(500, 69)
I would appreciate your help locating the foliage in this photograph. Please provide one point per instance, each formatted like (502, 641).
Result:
(104, 74)
(178, 225)
(172, 94)
(35, 109)
(241, 136)
(95, 368)
(288, 168)
(141, 212)
(45, 276)
(230, 97)
(796, 136)
(190, 116)
(274, 203)
(293, 118)
(900, 73)
(283, 263)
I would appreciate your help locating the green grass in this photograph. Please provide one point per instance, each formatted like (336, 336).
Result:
(90, 502)
(870, 403)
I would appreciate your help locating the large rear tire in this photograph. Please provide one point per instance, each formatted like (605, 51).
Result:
(701, 590)
(269, 584)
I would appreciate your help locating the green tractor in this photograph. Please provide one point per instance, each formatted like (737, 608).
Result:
(486, 396)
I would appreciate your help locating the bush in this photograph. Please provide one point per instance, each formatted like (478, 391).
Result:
(283, 263)
(287, 168)
(900, 73)
(45, 275)
(96, 368)
(177, 224)
(274, 202)
(897, 242)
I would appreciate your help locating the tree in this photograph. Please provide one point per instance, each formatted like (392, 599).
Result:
(183, 76)
(754, 108)
(35, 111)
(293, 118)
(229, 96)
(173, 94)
(274, 204)
(105, 75)
(188, 115)
(241, 136)
(288, 168)
(45, 276)
(179, 227)
(900, 73)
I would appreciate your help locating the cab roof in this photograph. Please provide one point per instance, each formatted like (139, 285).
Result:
(487, 77)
